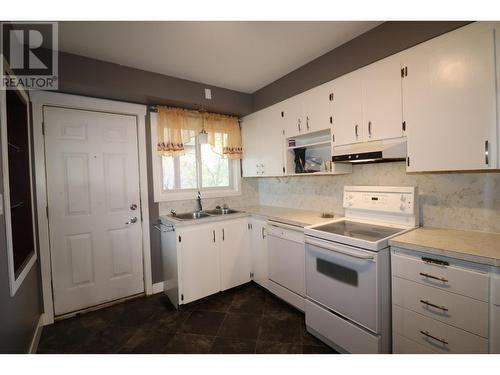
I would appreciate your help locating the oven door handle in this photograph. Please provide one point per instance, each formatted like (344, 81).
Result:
(338, 249)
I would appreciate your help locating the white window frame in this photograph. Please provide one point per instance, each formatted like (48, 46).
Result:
(161, 195)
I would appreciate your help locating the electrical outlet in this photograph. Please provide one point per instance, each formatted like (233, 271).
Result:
(208, 94)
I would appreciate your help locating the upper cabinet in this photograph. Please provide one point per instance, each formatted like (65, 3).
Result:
(263, 143)
(307, 112)
(449, 101)
(367, 103)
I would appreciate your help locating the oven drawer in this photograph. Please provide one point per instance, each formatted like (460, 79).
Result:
(437, 336)
(456, 310)
(468, 282)
(340, 331)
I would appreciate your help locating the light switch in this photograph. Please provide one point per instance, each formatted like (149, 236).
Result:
(208, 94)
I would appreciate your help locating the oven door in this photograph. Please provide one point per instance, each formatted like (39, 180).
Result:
(343, 279)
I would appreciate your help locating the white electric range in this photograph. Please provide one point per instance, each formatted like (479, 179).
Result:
(348, 268)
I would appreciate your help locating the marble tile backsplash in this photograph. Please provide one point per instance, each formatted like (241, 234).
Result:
(468, 201)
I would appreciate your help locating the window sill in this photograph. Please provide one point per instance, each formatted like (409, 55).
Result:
(191, 195)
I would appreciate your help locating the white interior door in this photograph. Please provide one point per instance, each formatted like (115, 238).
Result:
(92, 185)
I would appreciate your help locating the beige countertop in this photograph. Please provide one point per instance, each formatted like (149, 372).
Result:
(291, 216)
(478, 247)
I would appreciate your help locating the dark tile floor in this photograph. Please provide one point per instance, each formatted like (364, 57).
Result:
(246, 319)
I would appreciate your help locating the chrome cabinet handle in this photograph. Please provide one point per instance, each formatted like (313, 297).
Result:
(427, 334)
(263, 235)
(356, 130)
(307, 122)
(433, 305)
(486, 152)
(214, 234)
(223, 234)
(433, 277)
(369, 129)
(298, 124)
(132, 221)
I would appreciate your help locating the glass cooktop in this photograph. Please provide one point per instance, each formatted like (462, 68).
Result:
(367, 232)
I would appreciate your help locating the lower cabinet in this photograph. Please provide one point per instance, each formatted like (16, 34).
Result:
(258, 244)
(212, 257)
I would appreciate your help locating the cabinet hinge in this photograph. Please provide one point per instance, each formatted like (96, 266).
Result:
(404, 71)
(282, 114)
(182, 297)
(331, 96)
(333, 137)
(331, 119)
(408, 161)
(250, 226)
(404, 126)
(283, 169)
(180, 238)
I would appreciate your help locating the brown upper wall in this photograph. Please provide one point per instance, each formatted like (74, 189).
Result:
(382, 41)
(85, 76)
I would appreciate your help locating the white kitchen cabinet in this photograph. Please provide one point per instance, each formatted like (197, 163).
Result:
(198, 254)
(449, 101)
(258, 243)
(367, 103)
(235, 256)
(307, 112)
(263, 143)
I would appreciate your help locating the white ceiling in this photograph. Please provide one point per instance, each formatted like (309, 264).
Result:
(243, 56)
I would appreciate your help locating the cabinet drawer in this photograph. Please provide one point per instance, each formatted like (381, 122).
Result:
(402, 345)
(435, 335)
(458, 311)
(468, 282)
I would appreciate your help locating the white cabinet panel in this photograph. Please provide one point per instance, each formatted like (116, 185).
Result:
(449, 101)
(382, 112)
(258, 244)
(347, 109)
(317, 108)
(263, 143)
(235, 257)
(198, 250)
(293, 116)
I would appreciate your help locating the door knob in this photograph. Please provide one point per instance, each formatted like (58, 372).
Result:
(133, 207)
(132, 221)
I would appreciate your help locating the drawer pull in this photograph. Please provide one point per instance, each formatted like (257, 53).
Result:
(426, 333)
(434, 277)
(433, 305)
(435, 261)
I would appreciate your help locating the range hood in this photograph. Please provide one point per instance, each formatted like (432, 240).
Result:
(371, 152)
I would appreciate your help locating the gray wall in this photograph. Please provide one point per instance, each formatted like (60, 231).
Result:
(382, 41)
(19, 315)
(90, 77)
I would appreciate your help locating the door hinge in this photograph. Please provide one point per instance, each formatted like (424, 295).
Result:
(408, 161)
(404, 126)
(182, 297)
(180, 238)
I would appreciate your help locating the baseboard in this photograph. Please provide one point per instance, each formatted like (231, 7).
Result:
(36, 336)
(158, 287)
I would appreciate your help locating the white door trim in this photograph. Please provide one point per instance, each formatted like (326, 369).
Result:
(39, 99)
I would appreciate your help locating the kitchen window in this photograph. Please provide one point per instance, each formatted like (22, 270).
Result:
(198, 168)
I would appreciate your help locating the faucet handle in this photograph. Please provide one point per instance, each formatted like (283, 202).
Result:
(173, 212)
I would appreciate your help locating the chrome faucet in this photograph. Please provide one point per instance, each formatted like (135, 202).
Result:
(198, 201)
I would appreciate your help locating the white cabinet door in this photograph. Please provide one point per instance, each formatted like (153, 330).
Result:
(258, 244)
(347, 109)
(198, 250)
(235, 259)
(293, 113)
(449, 101)
(270, 142)
(382, 112)
(250, 133)
(317, 108)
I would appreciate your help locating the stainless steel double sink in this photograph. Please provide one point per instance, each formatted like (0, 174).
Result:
(202, 214)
